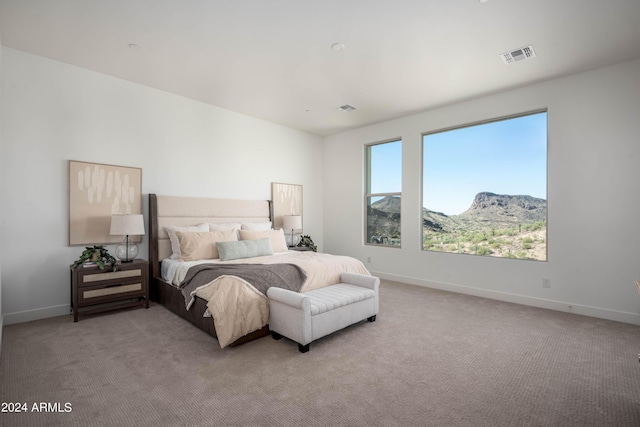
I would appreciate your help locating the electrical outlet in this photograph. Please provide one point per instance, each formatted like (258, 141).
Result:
(368, 259)
(546, 282)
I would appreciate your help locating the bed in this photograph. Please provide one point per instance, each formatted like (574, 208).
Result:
(224, 293)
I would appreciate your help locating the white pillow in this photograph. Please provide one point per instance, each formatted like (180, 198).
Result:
(224, 226)
(175, 243)
(278, 243)
(256, 226)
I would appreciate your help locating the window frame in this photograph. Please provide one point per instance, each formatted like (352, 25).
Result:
(368, 195)
(478, 123)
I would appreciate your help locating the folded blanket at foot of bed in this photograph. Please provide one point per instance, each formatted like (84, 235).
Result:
(236, 294)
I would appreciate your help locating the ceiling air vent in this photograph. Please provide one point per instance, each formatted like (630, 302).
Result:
(347, 108)
(518, 55)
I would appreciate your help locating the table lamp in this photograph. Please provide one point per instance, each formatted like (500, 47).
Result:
(291, 222)
(127, 225)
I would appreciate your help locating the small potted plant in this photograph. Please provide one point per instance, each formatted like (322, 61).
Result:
(305, 241)
(96, 255)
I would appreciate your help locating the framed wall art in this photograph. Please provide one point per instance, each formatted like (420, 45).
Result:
(96, 191)
(286, 200)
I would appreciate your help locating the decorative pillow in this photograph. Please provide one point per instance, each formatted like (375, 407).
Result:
(202, 245)
(256, 226)
(175, 244)
(278, 244)
(224, 226)
(244, 249)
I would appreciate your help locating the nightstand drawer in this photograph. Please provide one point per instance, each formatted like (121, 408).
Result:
(110, 290)
(111, 275)
(96, 294)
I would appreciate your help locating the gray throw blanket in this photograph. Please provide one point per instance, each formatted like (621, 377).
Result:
(261, 276)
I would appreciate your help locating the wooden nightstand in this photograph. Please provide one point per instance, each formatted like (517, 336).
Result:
(94, 290)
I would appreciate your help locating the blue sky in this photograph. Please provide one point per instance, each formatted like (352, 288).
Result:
(504, 157)
(386, 164)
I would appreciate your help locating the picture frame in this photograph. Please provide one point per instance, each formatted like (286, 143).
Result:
(286, 199)
(97, 191)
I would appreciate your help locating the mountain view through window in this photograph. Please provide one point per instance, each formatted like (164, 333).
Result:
(485, 189)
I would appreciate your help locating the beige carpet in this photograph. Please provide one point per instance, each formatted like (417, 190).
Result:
(432, 358)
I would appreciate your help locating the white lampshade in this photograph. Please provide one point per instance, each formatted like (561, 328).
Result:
(291, 222)
(127, 225)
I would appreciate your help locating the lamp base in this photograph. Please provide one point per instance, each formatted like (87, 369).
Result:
(292, 240)
(126, 251)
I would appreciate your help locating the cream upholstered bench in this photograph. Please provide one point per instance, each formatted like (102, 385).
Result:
(307, 316)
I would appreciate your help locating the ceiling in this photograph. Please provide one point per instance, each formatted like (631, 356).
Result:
(273, 59)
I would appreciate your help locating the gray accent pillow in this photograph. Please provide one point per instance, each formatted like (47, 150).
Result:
(244, 249)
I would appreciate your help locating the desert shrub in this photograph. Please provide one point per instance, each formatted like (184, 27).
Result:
(479, 237)
(539, 225)
(465, 237)
(448, 238)
(483, 250)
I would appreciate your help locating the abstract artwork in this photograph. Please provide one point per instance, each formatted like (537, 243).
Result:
(96, 191)
(287, 200)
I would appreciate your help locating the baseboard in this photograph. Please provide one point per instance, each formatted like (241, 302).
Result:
(568, 307)
(36, 314)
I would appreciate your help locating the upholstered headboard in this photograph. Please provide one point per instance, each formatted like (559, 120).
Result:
(182, 211)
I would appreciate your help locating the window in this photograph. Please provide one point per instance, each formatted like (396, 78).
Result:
(382, 198)
(485, 189)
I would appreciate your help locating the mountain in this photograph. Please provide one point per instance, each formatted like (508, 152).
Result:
(503, 207)
(389, 204)
(489, 210)
(384, 219)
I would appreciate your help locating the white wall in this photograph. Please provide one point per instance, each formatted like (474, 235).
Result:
(1, 215)
(593, 198)
(53, 112)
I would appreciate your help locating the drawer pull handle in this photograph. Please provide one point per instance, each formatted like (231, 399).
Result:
(114, 285)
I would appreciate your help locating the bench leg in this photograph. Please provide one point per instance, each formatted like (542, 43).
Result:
(303, 348)
(372, 318)
(275, 335)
